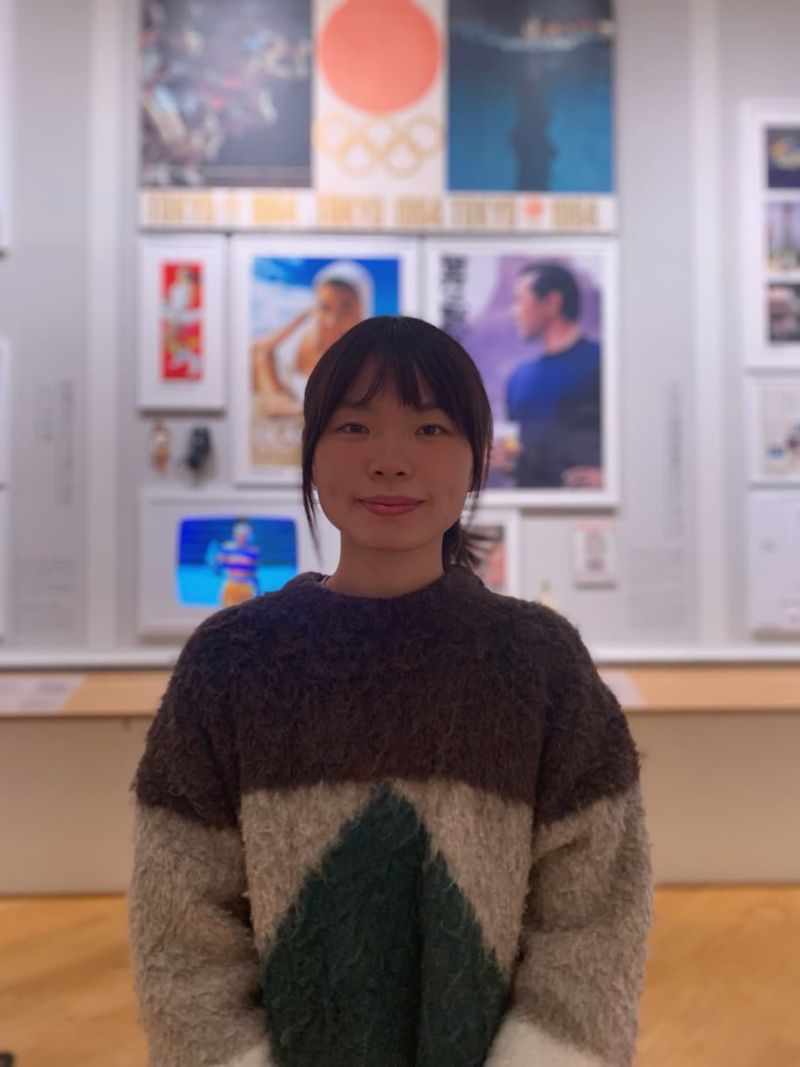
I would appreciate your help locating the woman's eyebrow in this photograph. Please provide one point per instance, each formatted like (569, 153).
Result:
(360, 405)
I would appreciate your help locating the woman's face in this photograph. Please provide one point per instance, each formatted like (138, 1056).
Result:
(338, 308)
(389, 477)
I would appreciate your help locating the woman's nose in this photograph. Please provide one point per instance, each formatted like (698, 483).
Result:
(389, 464)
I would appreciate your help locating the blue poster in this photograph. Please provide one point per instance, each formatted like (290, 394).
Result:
(530, 96)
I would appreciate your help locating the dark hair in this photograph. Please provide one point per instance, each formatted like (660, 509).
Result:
(406, 352)
(551, 278)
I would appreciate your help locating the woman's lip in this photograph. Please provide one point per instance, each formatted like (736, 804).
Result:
(379, 507)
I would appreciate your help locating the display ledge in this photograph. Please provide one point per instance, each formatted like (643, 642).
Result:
(603, 655)
(678, 689)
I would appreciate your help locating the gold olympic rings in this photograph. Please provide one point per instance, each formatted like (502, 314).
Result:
(383, 141)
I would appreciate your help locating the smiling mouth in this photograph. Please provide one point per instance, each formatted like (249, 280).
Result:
(390, 505)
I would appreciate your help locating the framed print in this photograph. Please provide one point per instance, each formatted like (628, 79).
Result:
(774, 418)
(182, 299)
(770, 254)
(199, 552)
(4, 545)
(539, 317)
(501, 549)
(225, 93)
(290, 299)
(5, 412)
(6, 118)
(594, 554)
(514, 76)
(773, 564)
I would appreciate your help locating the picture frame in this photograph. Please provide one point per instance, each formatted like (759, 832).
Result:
(5, 411)
(770, 236)
(773, 564)
(290, 298)
(773, 407)
(182, 296)
(477, 290)
(501, 571)
(7, 66)
(4, 567)
(189, 568)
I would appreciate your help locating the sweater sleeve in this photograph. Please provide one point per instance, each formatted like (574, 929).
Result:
(196, 972)
(580, 966)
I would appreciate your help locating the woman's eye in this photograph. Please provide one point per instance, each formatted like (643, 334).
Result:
(352, 427)
(432, 429)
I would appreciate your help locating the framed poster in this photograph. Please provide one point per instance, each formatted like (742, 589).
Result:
(501, 532)
(6, 118)
(5, 411)
(594, 554)
(539, 317)
(199, 552)
(517, 76)
(770, 138)
(376, 115)
(290, 299)
(773, 564)
(4, 545)
(774, 420)
(182, 299)
(225, 93)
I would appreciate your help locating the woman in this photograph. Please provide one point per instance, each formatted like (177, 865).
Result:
(386, 816)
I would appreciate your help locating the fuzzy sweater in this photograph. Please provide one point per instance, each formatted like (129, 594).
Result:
(401, 832)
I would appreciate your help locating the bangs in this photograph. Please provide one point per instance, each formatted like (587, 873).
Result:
(400, 361)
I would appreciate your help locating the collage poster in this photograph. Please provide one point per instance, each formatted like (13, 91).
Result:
(419, 115)
(535, 324)
(225, 92)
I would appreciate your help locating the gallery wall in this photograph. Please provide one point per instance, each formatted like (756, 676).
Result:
(68, 305)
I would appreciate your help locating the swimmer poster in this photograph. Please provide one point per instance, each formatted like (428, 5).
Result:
(180, 322)
(539, 319)
(358, 115)
(292, 298)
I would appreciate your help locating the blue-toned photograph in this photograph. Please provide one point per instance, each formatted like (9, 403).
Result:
(783, 157)
(222, 561)
(531, 96)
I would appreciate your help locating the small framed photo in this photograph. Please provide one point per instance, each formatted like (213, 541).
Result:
(774, 421)
(594, 556)
(199, 552)
(7, 11)
(539, 317)
(500, 531)
(773, 564)
(182, 297)
(291, 298)
(5, 411)
(4, 545)
(770, 233)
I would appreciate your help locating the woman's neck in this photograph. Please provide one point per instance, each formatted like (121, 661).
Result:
(385, 574)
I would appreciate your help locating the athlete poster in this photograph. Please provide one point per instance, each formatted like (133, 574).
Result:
(531, 96)
(225, 93)
(294, 297)
(539, 319)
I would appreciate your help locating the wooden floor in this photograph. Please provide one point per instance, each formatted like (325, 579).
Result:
(723, 981)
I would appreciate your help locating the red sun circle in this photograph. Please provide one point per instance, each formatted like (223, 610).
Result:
(380, 55)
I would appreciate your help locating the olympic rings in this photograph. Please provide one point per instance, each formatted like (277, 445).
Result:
(398, 147)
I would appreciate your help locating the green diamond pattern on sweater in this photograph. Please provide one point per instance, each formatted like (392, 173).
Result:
(380, 961)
